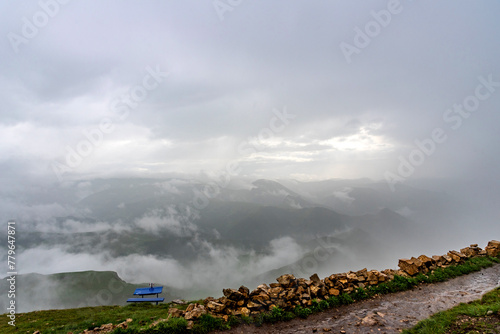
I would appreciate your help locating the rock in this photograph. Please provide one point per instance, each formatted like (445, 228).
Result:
(261, 297)
(369, 320)
(456, 256)
(315, 290)
(215, 307)
(190, 325)
(417, 262)
(274, 292)
(232, 294)
(243, 311)
(195, 312)
(155, 323)
(469, 252)
(179, 302)
(254, 306)
(383, 277)
(373, 275)
(493, 248)
(448, 259)
(494, 243)
(244, 291)
(439, 260)
(315, 278)
(291, 295)
(175, 312)
(352, 277)
(426, 261)
(286, 280)
(363, 273)
(124, 324)
(408, 266)
(208, 299)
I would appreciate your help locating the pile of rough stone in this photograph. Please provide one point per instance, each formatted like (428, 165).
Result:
(290, 292)
(424, 264)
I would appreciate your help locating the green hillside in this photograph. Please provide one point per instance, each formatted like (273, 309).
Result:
(70, 290)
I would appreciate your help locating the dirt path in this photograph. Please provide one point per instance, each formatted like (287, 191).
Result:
(389, 313)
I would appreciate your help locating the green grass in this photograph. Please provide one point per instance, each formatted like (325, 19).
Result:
(77, 320)
(442, 322)
(143, 315)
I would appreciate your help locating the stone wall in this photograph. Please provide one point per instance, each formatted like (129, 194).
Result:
(290, 291)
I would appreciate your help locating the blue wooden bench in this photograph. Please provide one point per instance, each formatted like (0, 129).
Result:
(147, 292)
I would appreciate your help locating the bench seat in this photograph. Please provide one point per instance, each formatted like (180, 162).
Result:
(141, 300)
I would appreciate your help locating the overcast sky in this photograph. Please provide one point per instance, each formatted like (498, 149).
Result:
(300, 89)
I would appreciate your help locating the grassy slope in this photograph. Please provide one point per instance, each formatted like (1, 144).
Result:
(71, 290)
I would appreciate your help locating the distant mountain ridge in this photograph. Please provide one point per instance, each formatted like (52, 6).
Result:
(245, 224)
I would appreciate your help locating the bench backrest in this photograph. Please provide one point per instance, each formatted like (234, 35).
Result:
(148, 291)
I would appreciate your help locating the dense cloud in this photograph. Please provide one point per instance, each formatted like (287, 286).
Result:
(177, 87)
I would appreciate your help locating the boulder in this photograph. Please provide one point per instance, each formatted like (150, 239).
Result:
(493, 248)
(215, 307)
(448, 259)
(244, 291)
(408, 266)
(457, 256)
(426, 261)
(175, 312)
(315, 278)
(329, 282)
(261, 297)
(362, 274)
(439, 260)
(254, 306)
(315, 290)
(242, 311)
(194, 312)
(274, 292)
(372, 275)
(383, 277)
(286, 280)
(291, 294)
(232, 294)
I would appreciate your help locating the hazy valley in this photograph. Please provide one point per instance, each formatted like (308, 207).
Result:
(249, 232)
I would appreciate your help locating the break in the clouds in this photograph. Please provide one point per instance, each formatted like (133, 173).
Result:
(307, 90)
